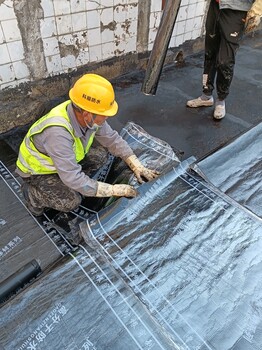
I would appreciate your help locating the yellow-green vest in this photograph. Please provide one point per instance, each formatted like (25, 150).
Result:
(30, 160)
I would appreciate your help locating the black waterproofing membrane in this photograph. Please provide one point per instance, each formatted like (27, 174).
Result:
(178, 267)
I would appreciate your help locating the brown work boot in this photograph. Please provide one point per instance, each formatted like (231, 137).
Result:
(36, 211)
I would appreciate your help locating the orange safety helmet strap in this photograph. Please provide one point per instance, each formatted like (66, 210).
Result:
(94, 94)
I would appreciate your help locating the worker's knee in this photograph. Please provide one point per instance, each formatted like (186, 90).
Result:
(69, 203)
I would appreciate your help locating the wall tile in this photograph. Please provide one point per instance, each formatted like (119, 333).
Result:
(66, 39)
(188, 36)
(83, 57)
(182, 13)
(7, 10)
(189, 25)
(119, 31)
(13, 83)
(107, 36)
(79, 21)
(152, 36)
(132, 12)
(94, 36)
(93, 19)
(155, 18)
(131, 44)
(51, 46)
(107, 51)
(120, 48)
(106, 3)
(131, 30)
(48, 7)
(61, 7)
(95, 53)
(11, 30)
(179, 40)
(172, 42)
(196, 33)
(200, 9)
(7, 73)
(54, 64)
(106, 16)
(184, 2)
(191, 10)
(4, 54)
(48, 27)
(68, 63)
(64, 24)
(16, 50)
(180, 28)
(92, 5)
(77, 5)
(156, 5)
(119, 14)
(21, 70)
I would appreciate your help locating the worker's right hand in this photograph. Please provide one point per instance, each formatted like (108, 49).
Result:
(107, 190)
(252, 22)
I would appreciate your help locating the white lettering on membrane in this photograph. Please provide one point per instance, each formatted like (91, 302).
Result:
(9, 246)
(46, 327)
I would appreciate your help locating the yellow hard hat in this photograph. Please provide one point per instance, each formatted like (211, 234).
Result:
(94, 94)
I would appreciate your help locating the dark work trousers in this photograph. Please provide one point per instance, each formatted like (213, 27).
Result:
(224, 29)
(48, 191)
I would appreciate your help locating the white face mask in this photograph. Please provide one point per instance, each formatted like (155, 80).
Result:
(93, 126)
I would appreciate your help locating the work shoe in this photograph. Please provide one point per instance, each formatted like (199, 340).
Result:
(202, 101)
(33, 210)
(220, 109)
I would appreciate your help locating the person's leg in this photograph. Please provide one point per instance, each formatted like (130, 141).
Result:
(231, 27)
(48, 191)
(212, 42)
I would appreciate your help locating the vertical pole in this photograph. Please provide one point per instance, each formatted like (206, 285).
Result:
(158, 53)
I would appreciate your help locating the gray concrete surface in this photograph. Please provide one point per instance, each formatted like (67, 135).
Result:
(194, 131)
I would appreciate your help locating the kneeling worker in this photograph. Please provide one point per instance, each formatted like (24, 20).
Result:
(50, 153)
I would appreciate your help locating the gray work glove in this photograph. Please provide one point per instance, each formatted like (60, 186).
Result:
(107, 190)
(139, 170)
(253, 16)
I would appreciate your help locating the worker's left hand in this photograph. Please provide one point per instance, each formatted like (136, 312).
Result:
(253, 16)
(252, 21)
(139, 170)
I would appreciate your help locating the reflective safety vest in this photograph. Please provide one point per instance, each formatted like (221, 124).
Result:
(30, 160)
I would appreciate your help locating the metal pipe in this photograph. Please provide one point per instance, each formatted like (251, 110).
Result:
(158, 53)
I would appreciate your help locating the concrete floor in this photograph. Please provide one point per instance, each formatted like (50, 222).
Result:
(194, 131)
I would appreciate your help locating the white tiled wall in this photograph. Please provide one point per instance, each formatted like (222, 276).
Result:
(189, 22)
(79, 32)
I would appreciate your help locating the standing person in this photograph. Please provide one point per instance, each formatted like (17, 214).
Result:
(225, 24)
(50, 153)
